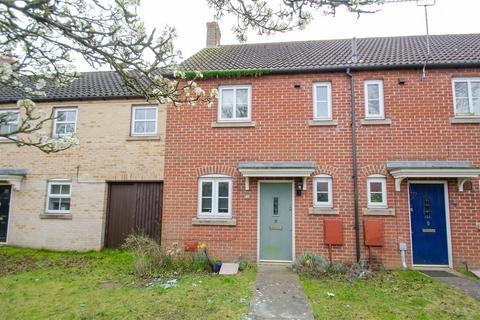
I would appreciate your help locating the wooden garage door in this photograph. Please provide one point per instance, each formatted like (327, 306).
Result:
(133, 207)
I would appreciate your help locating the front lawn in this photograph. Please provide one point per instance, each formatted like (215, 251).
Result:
(99, 285)
(388, 295)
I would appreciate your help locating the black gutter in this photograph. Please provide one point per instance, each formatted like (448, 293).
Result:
(68, 99)
(352, 67)
(355, 169)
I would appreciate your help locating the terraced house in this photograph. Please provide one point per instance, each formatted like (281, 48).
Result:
(366, 148)
(92, 195)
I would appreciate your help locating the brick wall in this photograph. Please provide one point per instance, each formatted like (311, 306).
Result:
(105, 153)
(420, 130)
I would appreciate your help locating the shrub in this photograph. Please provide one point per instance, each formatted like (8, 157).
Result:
(148, 256)
(316, 266)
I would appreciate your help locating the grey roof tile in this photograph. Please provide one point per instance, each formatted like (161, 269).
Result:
(300, 56)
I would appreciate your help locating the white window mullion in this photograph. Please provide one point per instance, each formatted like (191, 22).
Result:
(470, 98)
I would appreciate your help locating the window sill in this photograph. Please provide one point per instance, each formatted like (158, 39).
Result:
(455, 120)
(233, 124)
(58, 216)
(4, 140)
(229, 222)
(378, 212)
(143, 138)
(323, 211)
(315, 123)
(375, 122)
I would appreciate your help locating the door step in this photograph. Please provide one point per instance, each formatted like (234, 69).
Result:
(274, 263)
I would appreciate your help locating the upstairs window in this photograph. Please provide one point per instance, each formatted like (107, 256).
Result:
(466, 94)
(65, 121)
(58, 197)
(373, 90)
(235, 103)
(322, 101)
(377, 191)
(8, 121)
(322, 191)
(144, 120)
(215, 196)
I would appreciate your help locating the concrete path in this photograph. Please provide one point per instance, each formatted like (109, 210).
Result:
(278, 294)
(468, 286)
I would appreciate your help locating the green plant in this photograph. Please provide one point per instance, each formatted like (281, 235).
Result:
(148, 256)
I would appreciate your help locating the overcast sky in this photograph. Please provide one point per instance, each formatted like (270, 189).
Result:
(189, 18)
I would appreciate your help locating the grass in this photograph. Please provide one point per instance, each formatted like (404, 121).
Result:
(99, 285)
(388, 295)
(468, 274)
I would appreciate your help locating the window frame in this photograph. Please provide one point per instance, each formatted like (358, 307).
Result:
(383, 180)
(468, 80)
(55, 195)
(215, 180)
(15, 111)
(329, 180)
(133, 120)
(249, 103)
(380, 98)
(55, 120)
(329, 100)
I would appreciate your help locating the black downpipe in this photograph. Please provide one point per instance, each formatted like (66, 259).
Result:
(355, 169)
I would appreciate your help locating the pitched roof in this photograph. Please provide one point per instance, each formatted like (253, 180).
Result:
(325, 55)
(89, 86)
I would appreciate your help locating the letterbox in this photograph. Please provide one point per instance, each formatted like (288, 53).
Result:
(373, 230)
(333, 231)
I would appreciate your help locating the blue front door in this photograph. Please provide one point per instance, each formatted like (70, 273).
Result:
(429, 225)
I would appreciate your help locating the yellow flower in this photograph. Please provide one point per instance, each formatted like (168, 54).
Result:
(202, 246)
(307, 262)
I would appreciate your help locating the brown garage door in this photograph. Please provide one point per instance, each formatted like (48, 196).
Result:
(133, 207)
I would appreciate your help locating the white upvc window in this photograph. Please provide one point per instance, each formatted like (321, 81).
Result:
(215, 196)
(65, 121)
(373, 91)
(466, 97)
(59, 194)
(322, 191)
(322, 101)
(9, 120)
(144, 120)
(377, 191)
(235, 103)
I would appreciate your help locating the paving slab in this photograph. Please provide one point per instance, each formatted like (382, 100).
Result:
(468, 286)
(278, 294)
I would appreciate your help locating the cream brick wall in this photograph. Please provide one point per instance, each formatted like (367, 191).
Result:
(105, 153)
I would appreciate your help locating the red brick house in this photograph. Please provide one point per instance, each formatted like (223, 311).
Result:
(275, 168)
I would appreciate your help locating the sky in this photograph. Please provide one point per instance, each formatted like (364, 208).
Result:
(189, 17)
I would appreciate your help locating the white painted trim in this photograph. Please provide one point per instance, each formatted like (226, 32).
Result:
(214, 179)
(249, 103)
(55, 120)
(9, 212)
(145, 107)
(276, 172)
(469, 92)
(400, 174)
(63, 196)
(323, 178)
(377, 179)
(329, 100)
(14, 180)
(447, 218)
(380, 98)
(258, 218)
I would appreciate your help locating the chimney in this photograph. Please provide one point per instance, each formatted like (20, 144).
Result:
(213, 34)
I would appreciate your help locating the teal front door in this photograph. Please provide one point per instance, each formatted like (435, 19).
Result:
(276, 229)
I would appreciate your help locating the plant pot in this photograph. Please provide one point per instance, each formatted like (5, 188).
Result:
(217, 266)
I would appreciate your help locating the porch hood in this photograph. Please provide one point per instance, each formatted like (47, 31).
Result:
(13, 176)
(461, 170)
(279, 169)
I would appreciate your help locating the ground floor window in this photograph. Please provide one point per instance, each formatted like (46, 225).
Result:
(322, 191)
(58, 197)
(377, 191)
(215, 196)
